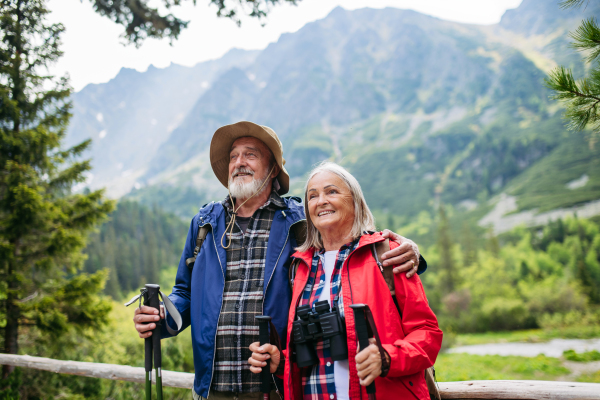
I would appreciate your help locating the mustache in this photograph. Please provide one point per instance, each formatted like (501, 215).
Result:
(242, 170)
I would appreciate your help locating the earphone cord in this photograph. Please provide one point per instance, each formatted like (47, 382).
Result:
(231, 223)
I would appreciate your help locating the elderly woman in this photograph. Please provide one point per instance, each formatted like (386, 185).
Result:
(337, 264)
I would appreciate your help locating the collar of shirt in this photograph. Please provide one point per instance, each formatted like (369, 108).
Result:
(316, 278)
(274, 200)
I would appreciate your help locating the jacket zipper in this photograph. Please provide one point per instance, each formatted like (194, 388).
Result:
(289, 359)
(347, 262)
(219, 316)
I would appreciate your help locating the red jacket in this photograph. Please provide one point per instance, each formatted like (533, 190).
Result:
(412, 341)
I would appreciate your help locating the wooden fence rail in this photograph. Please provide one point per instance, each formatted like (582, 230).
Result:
(513, 390)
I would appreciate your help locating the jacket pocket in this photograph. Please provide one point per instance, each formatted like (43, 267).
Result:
(416, 385)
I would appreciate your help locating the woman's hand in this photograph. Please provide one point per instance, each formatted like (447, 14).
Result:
(143, 318)
(262, 353)
(368, 363)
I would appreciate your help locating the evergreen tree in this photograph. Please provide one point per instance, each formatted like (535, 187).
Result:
(142, 21)
(43, 224)
(448, 278)
(581, 97)
(134, 246)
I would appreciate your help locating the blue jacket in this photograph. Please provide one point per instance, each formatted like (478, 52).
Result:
(201, 306)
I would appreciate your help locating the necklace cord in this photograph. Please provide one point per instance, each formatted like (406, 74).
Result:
(231, 223)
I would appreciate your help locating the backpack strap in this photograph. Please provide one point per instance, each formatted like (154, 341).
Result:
(377, 249)
(202, 232)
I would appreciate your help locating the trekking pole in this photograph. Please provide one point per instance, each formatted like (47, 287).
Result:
(147, 354)
(265, 373)
(149, 294)
(153, 301)
(362, 333)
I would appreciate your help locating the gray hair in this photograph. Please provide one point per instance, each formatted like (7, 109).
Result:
(363, 218)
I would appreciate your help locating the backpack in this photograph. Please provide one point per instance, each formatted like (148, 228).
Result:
(377, 249)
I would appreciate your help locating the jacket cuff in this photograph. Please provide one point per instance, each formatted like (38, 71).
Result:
(422, 265)
(404, 364)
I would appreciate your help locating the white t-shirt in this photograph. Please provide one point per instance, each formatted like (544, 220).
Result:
(341, 371)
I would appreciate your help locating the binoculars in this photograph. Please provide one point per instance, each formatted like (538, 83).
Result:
(322, 323)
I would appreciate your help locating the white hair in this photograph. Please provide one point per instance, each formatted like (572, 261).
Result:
(363, 218)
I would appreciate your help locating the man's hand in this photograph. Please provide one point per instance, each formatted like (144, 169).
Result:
(262, 353)
(143, 319)
(405, 256)
(368, 363)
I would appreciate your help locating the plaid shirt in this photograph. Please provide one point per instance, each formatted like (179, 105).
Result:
(318, 381)
(242, 300)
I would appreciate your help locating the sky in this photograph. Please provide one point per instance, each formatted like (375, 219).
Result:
(94, 50)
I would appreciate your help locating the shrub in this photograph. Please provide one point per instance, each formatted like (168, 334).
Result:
(587, 356)
(504, 314)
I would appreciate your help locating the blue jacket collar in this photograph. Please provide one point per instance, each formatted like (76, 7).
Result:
(291, 207)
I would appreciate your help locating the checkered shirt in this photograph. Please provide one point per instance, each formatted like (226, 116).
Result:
(318, 381)
(242, 300)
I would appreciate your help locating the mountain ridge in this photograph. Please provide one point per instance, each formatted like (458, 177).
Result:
(446, 111)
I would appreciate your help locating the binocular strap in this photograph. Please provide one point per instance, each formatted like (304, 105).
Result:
(385, 364)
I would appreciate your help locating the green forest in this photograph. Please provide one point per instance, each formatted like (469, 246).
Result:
(134, 246)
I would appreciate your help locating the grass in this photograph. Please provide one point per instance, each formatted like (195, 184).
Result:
(594, 377)
(533, 335)
(587, 356)
(466, 367)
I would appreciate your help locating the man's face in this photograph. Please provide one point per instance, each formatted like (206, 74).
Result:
(249, 163)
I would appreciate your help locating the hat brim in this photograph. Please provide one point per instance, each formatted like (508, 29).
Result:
(222, 140)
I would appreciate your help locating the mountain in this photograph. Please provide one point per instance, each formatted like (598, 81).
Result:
(130, 116)
(421, 110)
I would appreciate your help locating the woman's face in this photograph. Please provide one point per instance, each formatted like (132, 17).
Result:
(330, 204)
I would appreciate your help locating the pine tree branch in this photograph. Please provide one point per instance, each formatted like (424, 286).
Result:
(142, 21)
(572, 3)
(581, 98)
(587, 38)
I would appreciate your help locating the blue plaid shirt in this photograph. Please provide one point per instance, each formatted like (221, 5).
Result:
(318, 380)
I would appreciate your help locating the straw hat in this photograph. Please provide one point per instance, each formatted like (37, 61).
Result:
(223, 139)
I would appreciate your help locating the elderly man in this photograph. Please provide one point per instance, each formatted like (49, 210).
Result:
(242, 268)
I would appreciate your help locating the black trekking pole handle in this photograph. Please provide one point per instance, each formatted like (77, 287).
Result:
(154, 302)
(362, 333)
(265, 373)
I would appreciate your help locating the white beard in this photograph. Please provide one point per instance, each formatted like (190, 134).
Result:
(241, 190)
